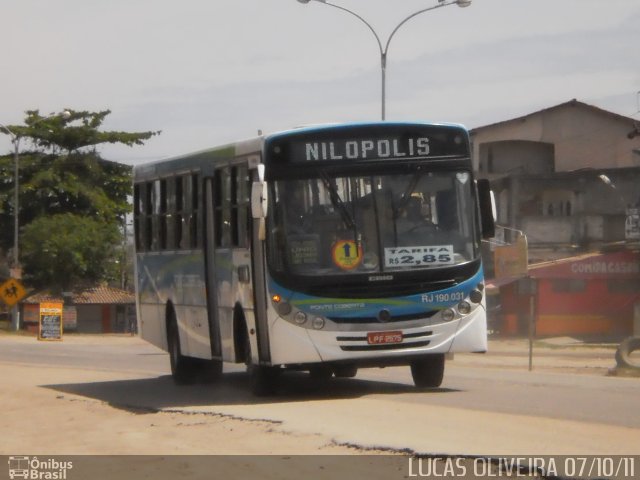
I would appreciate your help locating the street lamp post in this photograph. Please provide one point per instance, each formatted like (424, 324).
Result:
(384, 50)
(15, 139)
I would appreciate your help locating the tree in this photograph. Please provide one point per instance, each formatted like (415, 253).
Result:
(64, 251)
(62, 174)
(73, 131)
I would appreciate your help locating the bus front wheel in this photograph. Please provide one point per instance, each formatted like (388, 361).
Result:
(262, 378)
(182, 368)
(428, 371)
(345, 371)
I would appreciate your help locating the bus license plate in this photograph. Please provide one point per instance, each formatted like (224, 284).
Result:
(378, 338)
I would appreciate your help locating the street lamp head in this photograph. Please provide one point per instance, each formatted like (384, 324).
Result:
(606, 180)
(463, 3)
(307, 1)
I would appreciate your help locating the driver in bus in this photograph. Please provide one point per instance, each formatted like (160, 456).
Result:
(412, 222)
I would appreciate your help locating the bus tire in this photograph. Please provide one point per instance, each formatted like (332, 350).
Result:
(321, 373)
(262, 378)
(183, 368)
(624, 351)
(428, 371)
(345, 371)
(209, 371)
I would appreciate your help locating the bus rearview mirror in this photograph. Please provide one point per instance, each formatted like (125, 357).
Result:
(487, 208)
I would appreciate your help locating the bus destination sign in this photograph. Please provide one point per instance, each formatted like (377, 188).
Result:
(366, 149)
(357, 144)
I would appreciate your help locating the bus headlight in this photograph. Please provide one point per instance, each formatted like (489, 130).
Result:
(300, 318)
(283, 309)
(475, 296)
(464, 308)
(318, 323)
(448, 314)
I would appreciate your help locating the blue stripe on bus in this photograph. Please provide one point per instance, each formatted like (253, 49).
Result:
(358, 307)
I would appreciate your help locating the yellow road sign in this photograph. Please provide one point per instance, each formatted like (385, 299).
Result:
(11, 292)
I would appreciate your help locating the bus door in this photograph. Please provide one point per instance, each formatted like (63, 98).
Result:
(229, 261)
(259, 283)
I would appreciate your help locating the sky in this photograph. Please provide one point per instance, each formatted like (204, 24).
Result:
(209, 72)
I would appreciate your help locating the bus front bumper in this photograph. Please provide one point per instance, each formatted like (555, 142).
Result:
(377, 345)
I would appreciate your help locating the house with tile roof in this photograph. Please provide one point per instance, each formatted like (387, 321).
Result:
(99, 309)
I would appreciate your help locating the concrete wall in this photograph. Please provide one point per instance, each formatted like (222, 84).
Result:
(582, 137)
(516, 156)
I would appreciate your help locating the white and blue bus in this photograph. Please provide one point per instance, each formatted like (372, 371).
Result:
(323, 249)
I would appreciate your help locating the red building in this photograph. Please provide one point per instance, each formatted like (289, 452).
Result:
(593, 295)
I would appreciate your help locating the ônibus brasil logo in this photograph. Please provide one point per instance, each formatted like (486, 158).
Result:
(36, 469)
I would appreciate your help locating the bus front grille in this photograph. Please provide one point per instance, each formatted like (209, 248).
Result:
(386, 346)
(394, 318)
(364, 346)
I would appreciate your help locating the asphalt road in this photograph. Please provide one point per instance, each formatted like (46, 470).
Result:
(499, 405)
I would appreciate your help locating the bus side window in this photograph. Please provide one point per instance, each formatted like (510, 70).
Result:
(221, 207)
(194, 218)
(233, 196)
(239, 206)
(178, 195)
(161, 213)
(169, 215)
(138, 213)
(148, 216)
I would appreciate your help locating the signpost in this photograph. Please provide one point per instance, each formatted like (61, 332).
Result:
(50, 325)
(632, 224)
(529, 286)
(11, 292)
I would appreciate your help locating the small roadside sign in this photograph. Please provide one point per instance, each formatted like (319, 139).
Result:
(12, 291)
(50, 325)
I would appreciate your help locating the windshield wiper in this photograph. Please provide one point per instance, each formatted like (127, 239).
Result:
(337, 202)
(406, 195)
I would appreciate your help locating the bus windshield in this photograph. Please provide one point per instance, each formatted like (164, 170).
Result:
(335, 225)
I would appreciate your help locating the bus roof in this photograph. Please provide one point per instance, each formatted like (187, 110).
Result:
(197, 160)
(347, 125)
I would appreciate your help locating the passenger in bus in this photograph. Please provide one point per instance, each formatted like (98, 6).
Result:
(298, 219)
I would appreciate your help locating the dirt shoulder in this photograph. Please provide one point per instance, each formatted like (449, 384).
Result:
(39, 419)
(560, 355)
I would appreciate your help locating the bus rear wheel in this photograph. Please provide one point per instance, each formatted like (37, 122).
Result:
(428, 371)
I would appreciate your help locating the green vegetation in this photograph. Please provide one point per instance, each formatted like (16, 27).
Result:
(72, 202)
